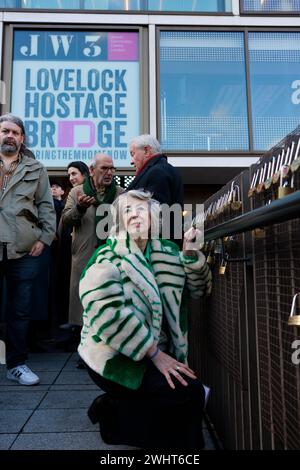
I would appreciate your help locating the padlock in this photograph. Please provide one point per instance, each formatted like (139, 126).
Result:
(260, 188)
(236, 202)
(252, 188)
(295, 165)
(258, 233)
(268, 182)
(279, 163)
(230, 244)
(284, 191)
(251, 192)
(222, 267)
(296, 161)
(294, 320)
(285, 188)
(210, 258)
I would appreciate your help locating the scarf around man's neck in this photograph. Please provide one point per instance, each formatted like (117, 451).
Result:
(108, 198)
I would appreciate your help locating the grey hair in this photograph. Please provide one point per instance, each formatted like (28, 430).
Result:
(93, 162)
(117, 210)
(146, 140)
(18, 121)
(14, 119)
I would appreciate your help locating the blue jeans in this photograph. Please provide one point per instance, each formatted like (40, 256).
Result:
(19, 275)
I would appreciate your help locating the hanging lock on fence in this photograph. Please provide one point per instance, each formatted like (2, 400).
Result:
(294, 319)
(258, 233)
(223, 266)
(296, 161)
(235, 199)
(211, 255)
(261, 185)
(286, 186)
(230, 243)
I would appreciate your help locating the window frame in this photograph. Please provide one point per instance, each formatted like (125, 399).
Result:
(266, 13)
(245, 30)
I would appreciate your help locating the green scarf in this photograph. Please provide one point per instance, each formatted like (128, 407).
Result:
(109, 197)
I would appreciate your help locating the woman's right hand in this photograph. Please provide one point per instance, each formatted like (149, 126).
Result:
(171, 368)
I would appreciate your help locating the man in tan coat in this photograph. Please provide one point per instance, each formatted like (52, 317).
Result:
(27, 224)
(80, 213)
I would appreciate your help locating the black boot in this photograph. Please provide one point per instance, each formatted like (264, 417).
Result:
(96, 409)
(102, 411)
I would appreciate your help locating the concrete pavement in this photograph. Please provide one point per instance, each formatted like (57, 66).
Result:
(53, 414)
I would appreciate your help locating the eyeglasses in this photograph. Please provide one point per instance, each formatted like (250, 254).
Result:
(106, 169)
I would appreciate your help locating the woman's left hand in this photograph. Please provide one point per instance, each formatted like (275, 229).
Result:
(171, 368)
(192, 242)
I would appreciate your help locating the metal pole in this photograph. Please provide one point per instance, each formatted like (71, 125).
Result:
(280, 210)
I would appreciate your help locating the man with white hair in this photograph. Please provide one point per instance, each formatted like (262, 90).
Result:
(155, 174)
(80, 213)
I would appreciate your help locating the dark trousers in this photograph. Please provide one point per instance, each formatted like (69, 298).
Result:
(156, 416)
(19, 275)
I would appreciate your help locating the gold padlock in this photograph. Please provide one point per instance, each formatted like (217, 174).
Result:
(222, 267)
(268, 183)
(285, 187)
(258, 233)
(210, 259)
(236, 205)
(284, 191)
(251, 192)
(294, 320)
(260, 188)
(295, 165)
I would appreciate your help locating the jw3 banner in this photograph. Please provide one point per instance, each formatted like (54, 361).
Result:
(78, 93)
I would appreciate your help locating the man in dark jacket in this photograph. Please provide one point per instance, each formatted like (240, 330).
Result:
(155, 174)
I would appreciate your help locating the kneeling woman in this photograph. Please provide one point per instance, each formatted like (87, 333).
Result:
(134, 291)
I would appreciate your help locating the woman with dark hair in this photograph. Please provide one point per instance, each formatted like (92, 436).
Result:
(77, 172)
(80, 212)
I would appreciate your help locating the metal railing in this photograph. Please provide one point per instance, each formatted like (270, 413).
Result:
(242, 347)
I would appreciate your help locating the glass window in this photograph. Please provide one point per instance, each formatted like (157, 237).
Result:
(43, 4)
(75, 4)
(124, 5)
(190, 5)
(271, 5)
(203, 91)
(78, 93)
(275, 86)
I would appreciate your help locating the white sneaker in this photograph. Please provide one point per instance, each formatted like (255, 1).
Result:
(207, 393)
(23, 375)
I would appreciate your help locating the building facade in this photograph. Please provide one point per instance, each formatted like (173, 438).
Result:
(217, 81)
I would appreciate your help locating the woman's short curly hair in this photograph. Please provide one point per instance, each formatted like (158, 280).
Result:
(118, 206)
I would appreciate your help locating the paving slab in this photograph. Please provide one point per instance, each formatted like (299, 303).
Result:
(209, 445)
(23, 388)
(46, 366)
(49, 356)
(12, 421)
(68, 399)
(73, 387)
(64, 441)
(71, 366)
(62, 420)
(6, 440)
(75, 377)
(19, 400)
